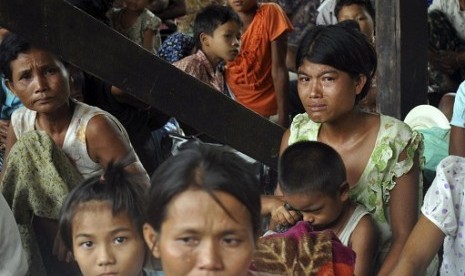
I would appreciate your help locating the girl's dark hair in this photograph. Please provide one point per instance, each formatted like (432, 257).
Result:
(208, 168)
(210, 18)
(310, 166)
(10, 48)
(341, 47)
(123, 191)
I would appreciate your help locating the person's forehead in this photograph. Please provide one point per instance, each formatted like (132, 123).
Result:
(98, 217)
(354, 8)
(194, 208)
(35, 56)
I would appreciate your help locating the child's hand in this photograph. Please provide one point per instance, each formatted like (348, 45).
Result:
(283, 216)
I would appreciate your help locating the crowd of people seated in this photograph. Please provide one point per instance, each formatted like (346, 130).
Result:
(85, 189)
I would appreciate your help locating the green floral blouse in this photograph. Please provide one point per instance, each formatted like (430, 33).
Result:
(383, 167)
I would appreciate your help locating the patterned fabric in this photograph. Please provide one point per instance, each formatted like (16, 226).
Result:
(146, 21)
(175, 47)
(299, 251)
(249, 74)
(198, 66)
(75, 143)
(37, 178)
(186, 23)
(444, 205)
(379, 177)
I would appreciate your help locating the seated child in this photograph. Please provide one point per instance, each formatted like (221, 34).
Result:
(137, 23)
(101, 224)
(312, 176)
(217, 35)
(360, 11)
(441, 224)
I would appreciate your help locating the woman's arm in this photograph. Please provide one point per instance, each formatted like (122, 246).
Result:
(418, 251)
(364, 242)
(403, 207)
(457, 141)
(106, 144)
(280, 78)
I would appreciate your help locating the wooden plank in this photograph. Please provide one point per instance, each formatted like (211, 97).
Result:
(96, 48)
(401, 40)
(414, 54)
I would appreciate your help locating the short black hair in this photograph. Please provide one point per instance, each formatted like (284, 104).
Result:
(10, 48)
(210, 17)
(366, 4)
(205, 167)
(123, 191)
(310, 166)
(342, 47)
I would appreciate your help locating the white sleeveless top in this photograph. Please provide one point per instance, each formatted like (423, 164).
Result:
(74, 145)
(358, 214)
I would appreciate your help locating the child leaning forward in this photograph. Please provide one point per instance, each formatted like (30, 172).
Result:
(312, 176)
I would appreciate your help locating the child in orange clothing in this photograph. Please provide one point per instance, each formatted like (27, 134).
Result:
(258, 76)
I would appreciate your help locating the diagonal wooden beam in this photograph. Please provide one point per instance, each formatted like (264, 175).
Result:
(92, 46)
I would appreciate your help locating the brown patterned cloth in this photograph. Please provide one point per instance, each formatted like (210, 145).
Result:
(301, 251)
(37, 178)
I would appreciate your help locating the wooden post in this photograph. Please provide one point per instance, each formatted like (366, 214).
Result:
(402, 41)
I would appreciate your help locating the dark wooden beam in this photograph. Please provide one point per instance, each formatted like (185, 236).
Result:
(96, 48)
(402, 40)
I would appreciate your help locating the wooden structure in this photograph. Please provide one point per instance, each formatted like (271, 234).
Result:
(401, 40)
(94, 47)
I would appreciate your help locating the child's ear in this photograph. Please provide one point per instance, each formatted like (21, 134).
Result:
(204, 39)
(151, 239)
(360, 83)
(344, 189)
